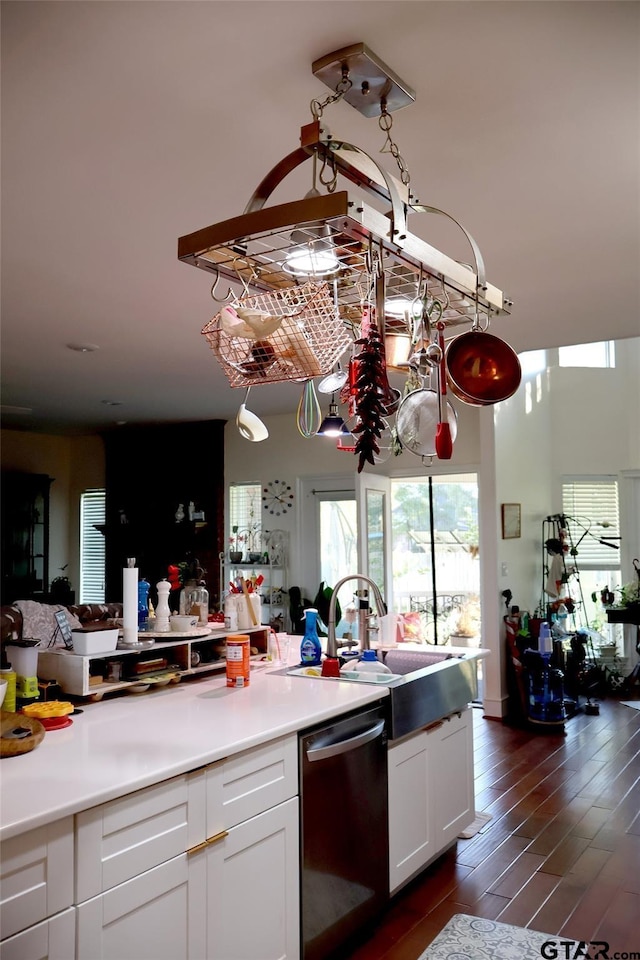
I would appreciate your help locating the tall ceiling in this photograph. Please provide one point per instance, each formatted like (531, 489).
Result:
(128, 124)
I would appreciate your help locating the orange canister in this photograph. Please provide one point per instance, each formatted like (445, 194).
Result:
(238, 660)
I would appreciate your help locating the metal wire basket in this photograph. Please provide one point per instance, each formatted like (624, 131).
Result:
(309, 341)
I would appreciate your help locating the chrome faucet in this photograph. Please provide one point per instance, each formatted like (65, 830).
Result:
(332, 646)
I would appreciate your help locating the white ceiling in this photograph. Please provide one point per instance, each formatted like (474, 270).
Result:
(128, 124)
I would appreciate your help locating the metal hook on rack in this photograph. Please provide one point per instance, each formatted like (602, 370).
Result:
(228, 295)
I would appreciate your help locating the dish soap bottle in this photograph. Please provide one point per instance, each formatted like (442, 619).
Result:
(369, 663)
(310, 649)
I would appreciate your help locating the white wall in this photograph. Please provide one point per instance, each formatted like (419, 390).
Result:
(564, 421)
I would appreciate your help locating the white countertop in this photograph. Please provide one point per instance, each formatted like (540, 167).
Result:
(131, 741)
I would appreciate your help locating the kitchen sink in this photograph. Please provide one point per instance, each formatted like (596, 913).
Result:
(424, 686)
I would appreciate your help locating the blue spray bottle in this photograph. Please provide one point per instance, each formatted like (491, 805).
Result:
(310, 649)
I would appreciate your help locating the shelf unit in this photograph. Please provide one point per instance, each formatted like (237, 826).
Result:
(81, 676)
(273, 591)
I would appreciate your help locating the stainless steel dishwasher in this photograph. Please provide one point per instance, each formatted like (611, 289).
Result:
(343, 830)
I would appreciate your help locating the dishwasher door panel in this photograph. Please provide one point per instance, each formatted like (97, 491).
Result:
(343, 824)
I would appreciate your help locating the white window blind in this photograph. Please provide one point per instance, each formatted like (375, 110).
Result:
(591, 504)
(245, 513)
(92, 512)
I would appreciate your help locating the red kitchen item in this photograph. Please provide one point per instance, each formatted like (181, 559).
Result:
(444, 440)
(55, 723)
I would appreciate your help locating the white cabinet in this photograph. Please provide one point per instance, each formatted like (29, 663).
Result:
(204, 865)
(453, 791)
(253, 889)
(53, 939)
(411, 813)
(431, 795)
(159, 915)
(36, 879)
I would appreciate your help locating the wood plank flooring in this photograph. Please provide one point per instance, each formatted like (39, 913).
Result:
(561, 853)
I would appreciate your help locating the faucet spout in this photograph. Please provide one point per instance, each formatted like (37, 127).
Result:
(332, 646)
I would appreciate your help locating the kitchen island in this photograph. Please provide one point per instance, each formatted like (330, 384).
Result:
(156, 824)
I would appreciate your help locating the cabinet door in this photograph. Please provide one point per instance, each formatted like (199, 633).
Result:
(37, 876)
(253, 889)
(160, 915)
(411, 814)
(54, 939)
(453, 795)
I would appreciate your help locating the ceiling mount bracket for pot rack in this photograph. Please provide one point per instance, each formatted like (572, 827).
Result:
(372, 81)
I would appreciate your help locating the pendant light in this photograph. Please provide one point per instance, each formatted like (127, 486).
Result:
(333, 425)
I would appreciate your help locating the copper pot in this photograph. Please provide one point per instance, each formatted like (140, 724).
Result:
(484, 368)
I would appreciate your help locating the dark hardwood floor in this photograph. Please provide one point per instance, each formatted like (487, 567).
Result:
(561, 853)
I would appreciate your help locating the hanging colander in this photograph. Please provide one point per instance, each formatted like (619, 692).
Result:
(417, 421)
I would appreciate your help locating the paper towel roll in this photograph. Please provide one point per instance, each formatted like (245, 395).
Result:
(130, 604)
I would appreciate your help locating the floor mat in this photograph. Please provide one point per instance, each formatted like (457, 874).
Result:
(631, 703)
(480, 821)
(471, 937)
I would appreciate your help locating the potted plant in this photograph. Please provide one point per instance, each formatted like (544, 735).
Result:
(254, 535)
(235, 553)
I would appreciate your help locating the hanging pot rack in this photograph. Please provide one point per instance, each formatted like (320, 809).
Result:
(254, 246)
(374, 258)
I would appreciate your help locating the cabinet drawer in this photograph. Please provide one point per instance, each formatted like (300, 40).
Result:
(37, 876)
(53, 939)
(244, 786)
(123, 838)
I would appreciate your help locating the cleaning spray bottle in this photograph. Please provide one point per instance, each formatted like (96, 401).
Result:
(310, 649)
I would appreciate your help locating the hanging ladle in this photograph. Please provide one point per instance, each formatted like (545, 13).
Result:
(333, 381)
(250, 426)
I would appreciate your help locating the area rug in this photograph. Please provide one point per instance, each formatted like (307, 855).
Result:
(631, 703)
(481, 820)
(471, 938)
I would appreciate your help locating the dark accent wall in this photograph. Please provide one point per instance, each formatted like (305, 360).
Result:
(150, 470)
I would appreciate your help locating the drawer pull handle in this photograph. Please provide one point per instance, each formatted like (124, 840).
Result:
(197, 848)
(217, 837)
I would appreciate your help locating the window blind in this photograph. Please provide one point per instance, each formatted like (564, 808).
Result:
(92, 512)
(591, 503)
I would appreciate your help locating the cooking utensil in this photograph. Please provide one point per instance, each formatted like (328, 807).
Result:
(250, 426)
(309, 414)
(252, 612)
(443, 441)
(483, 367)
(417, 421)
(333, 381)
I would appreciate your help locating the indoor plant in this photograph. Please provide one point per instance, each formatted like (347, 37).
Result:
(235, 553)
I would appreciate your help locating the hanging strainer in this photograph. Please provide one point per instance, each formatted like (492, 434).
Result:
(417, 421)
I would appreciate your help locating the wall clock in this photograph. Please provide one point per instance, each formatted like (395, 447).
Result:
(277, 497)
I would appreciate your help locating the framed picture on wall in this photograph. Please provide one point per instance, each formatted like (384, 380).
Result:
(510, 521)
